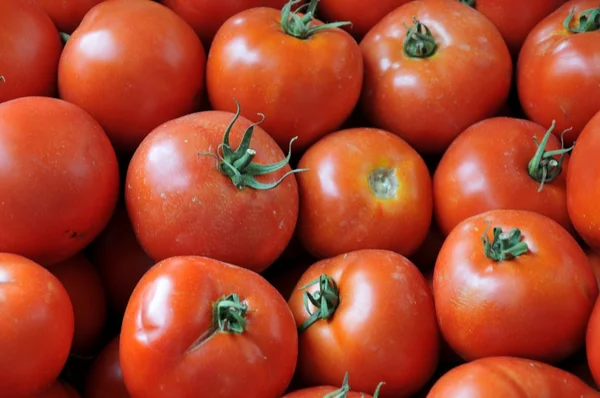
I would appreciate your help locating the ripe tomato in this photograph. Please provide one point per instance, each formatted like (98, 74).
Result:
(429, 79)
(197, 324)
(132, 77)
(583, 191)
(523, 289)
(593, 343)
(558, 73)
(340, 331)
(30, 48)
(181, 201)
(37, 331)
(510, 377)
(67, 14)
(594, 260)
(58, 179)
(365, 189)
(83, 284)
(329, 391)
(58, 390)
(305, 79)
(501, 163)
(514, 18)
(105, 378)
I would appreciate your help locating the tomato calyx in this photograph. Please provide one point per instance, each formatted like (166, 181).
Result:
(470, 3)
(326, 300)
(301, 27)
(238, 165)
(383, 183)
(419, 42)
(544, 167)
(64, 37)
(345, 389)
(589, 21)
(505, 245)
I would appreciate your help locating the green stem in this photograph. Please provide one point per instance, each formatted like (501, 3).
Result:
(326, 301)
(504, 246)
(470, 3)
(343, 391)
(64, 37)
(589, 21)
(544, 167)
(419, 42)
(302, 27)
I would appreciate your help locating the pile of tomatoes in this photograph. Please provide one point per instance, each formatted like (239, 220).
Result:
(303, 199)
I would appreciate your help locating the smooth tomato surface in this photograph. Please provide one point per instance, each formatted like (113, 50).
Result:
(30, 48)
(428, 101)
(383, 328)
(105, 378)
(535, 305)
(169, 340)
(558, 72)
(67, 14)
(59, 179)
(37, 319)
(132, 76)
(593, 343)
(365, 189)
(594, 260)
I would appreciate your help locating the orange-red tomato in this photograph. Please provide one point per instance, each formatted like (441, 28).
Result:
(594, 260)
(67, 14)
(451, 71)
(364, 189)
(105, 378)
(329, 391)
(514, 283)
(593, 343)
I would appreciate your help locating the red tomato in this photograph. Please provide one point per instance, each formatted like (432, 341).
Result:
(132, 77)
(196, 324)
(498, 164)
(37, 331)
(558, 72)
(594, 260)
(120, 259)
(328, 391)
(428, 81)
(181, 201)
(515, 18)
(30, 48)
(59, 179)
(372, 315)
(58, 390)
(365, 189)
(510, 377)
(583, 192)
(305, 81)
(67, 14)
(105, 378)
(523, 289)
(363, 14)
(84, 286)
(593, 343)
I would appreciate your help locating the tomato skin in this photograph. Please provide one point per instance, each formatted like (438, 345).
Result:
(305, 88)
(180, 204)
(509, 377)
(593, 343)
(132, 77)
(582, 189)
(594, 260)
(321, 391)
(342, 211)
(429, 101)
(371, 305)
(67, 15)
(171, 308)
(59, 179)
(467, 183)
(38, 327)
(105, 378)
(558, 73)
(30, 48)
(534, 306)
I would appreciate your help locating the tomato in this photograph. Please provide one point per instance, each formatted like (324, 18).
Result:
(501, 163)
(328, 391)
(105, 378)
(558, 72)
(59, 179)
(67, 14)
(593, 343)
(523, 288)
(510, 377)
(132, 77)
(84, 286)
(30, 48)
(363, 14)
(513, 18)
(594, 260)
(369, 313)
(182, 200)
(583, 191)
(58, 390)
(304, 78)
(365, 189)
(433, 68)
(198, 324)
(37, 331)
